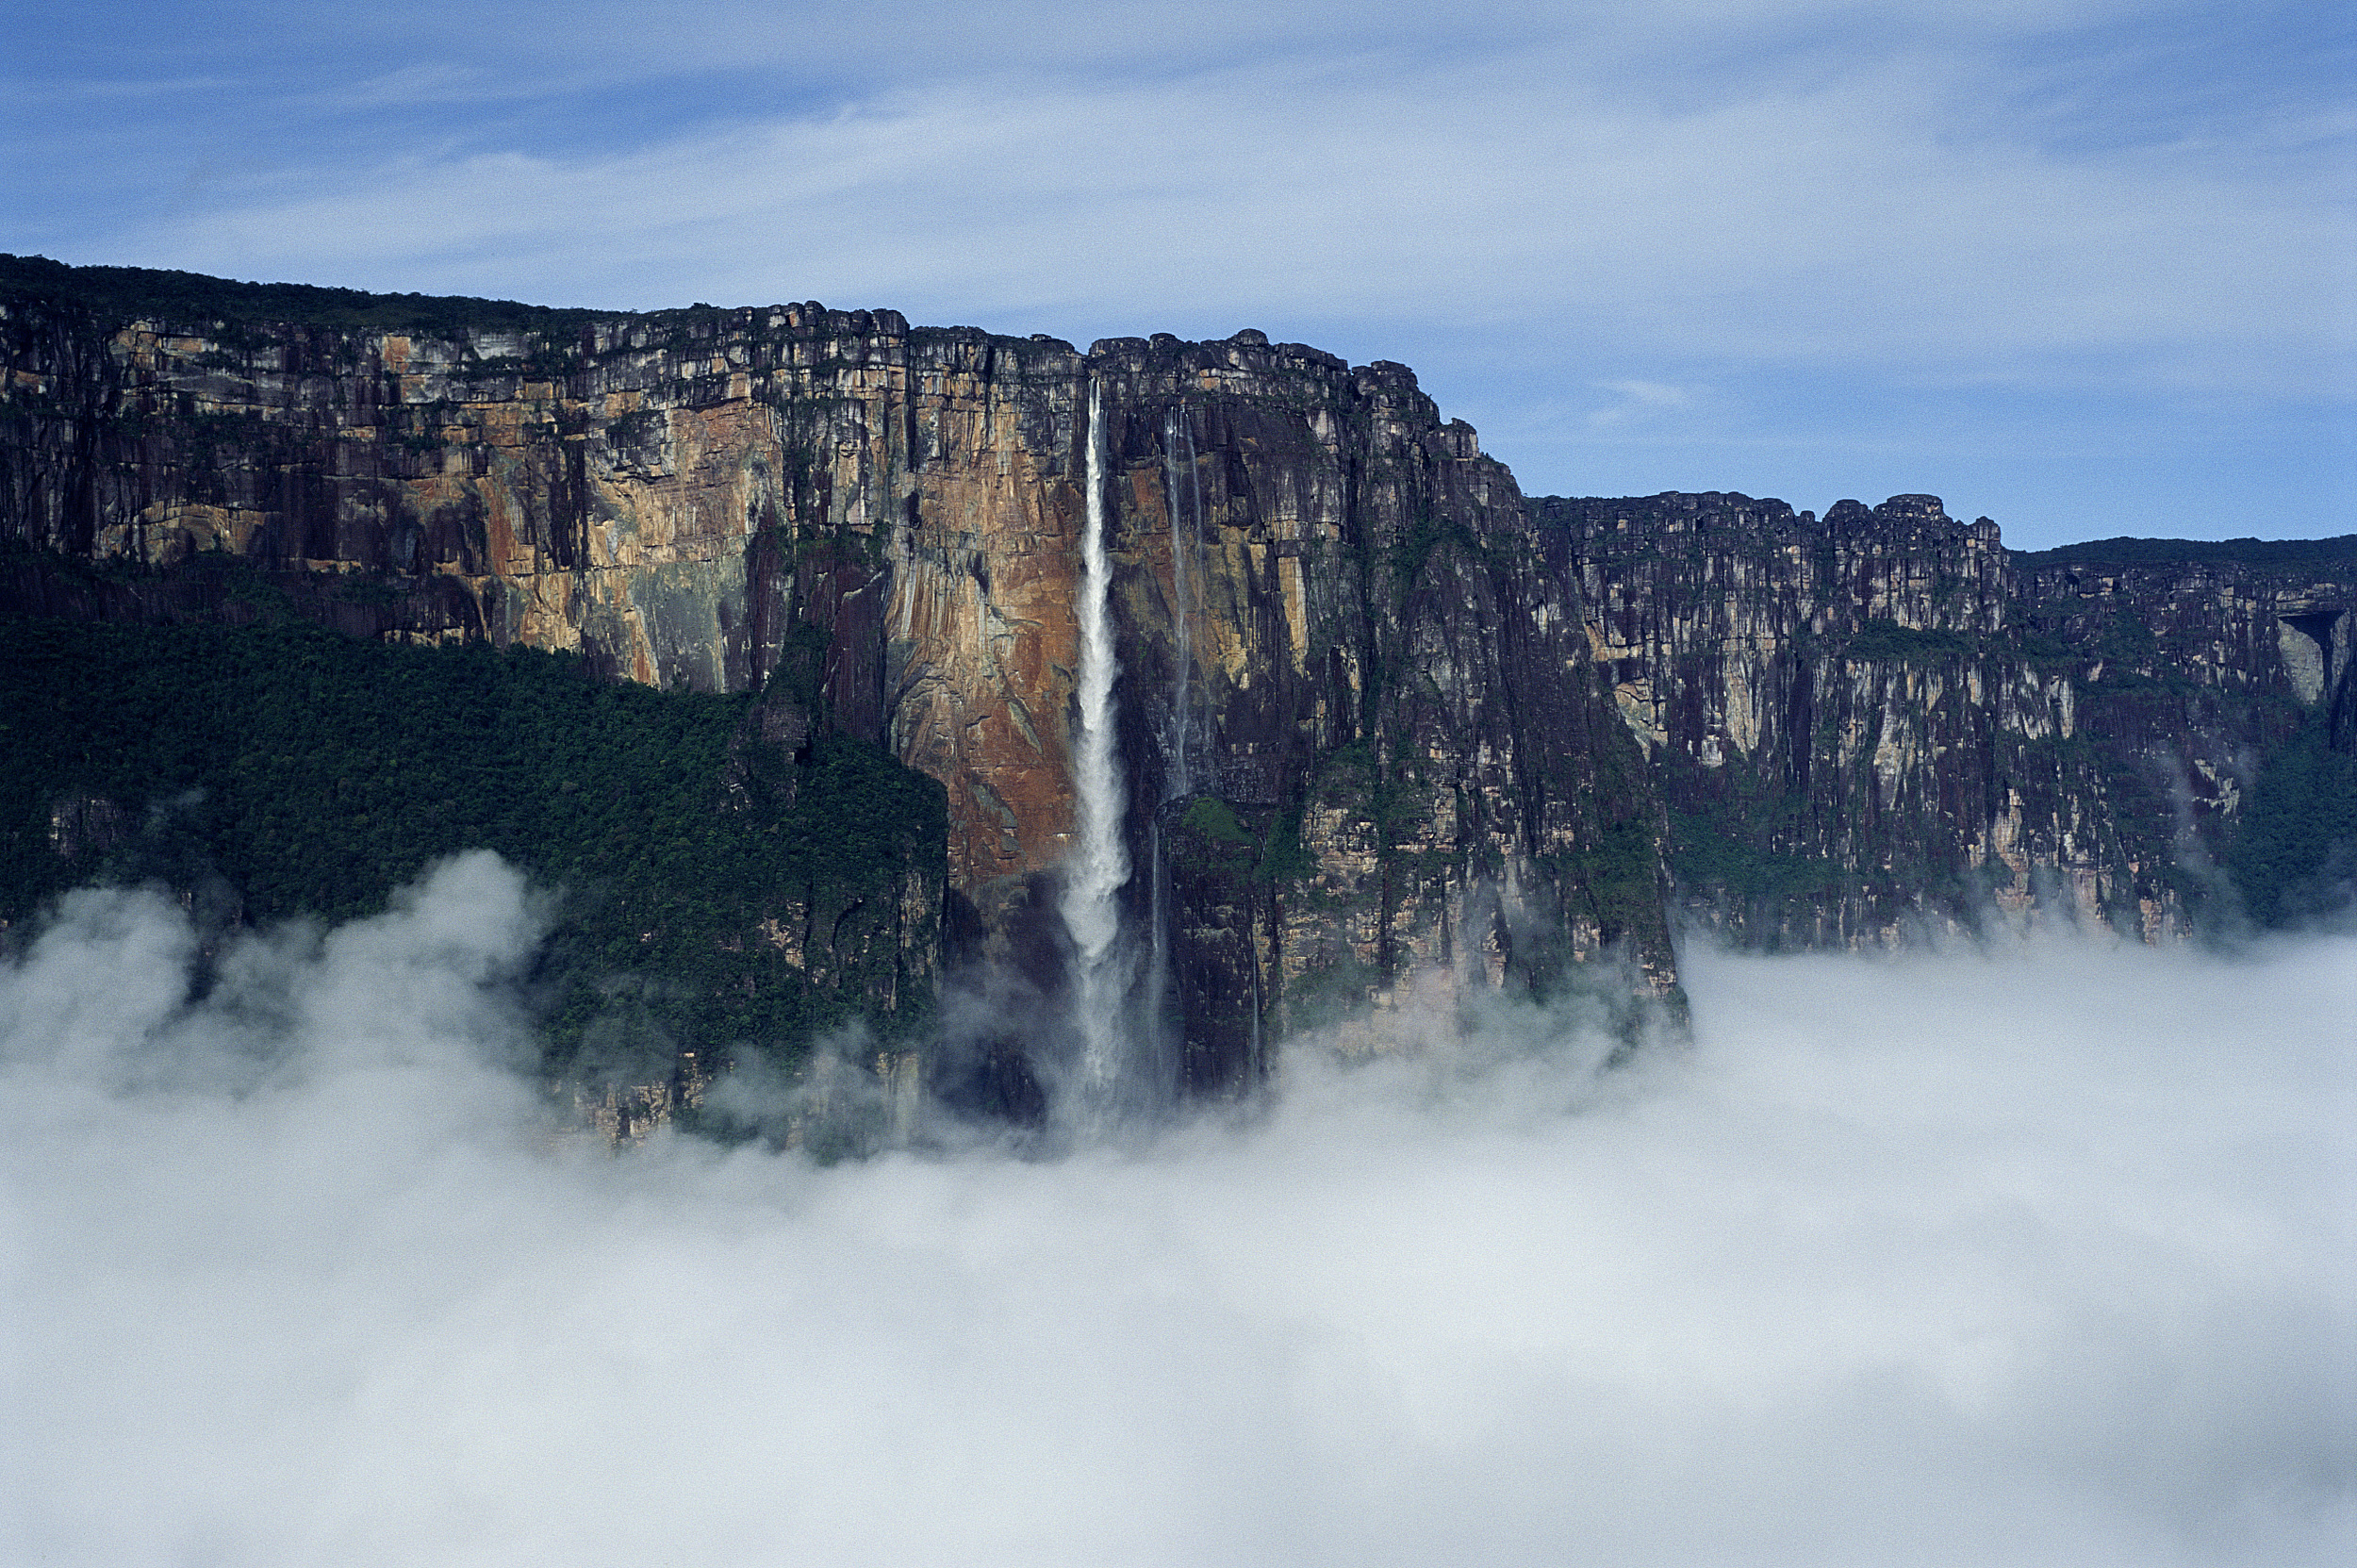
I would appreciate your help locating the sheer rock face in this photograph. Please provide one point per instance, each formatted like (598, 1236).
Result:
(669, 496)
(1333, 613)
(1337, 623)
(1379, 717)
(1907, 724)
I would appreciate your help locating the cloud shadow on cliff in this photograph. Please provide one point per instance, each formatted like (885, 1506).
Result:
(1967, 1258)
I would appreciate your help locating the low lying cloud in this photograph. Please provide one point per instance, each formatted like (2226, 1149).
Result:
(2034, 1257)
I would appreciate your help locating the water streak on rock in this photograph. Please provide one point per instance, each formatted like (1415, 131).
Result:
(1183, 488)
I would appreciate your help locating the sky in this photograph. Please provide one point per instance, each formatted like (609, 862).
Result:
(2033, 1253)
(2088, 266)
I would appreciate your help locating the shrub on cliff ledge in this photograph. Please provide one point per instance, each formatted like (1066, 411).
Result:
(2294, 858)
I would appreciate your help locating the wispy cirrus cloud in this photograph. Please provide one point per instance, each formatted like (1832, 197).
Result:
(1638, 402)
(1977, 220)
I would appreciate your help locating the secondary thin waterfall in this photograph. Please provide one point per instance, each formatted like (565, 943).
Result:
(1182, 503)
(1093, 884)
(1182, 490)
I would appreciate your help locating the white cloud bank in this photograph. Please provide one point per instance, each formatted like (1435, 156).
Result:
(2042, 1258)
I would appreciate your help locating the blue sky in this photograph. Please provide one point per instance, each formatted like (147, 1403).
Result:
(2089, 266)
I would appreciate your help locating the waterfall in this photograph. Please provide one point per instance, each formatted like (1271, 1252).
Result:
(1092, 882)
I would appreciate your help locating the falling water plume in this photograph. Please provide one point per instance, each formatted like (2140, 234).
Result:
(1094, 882)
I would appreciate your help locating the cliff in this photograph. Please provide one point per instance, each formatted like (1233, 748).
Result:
(1883, 718)
(1337, 629)
(1377, 716)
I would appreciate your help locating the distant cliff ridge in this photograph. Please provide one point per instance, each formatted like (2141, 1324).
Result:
(1877, 717)
(1377, 714)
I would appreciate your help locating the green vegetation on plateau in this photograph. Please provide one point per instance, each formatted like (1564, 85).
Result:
(125, 294)
(281, 769)
(2275, 554)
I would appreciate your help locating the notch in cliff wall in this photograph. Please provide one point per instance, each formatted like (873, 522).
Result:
(2316, 649)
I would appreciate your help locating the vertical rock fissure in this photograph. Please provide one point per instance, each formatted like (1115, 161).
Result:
(1092, 880)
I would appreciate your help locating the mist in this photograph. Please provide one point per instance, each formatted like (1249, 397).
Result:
(2039, 1254)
